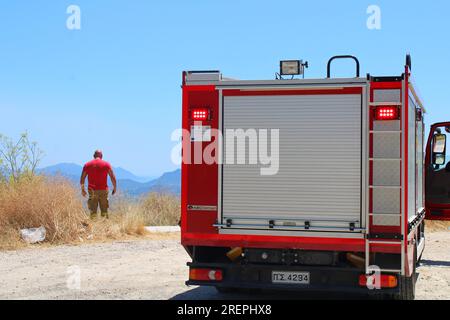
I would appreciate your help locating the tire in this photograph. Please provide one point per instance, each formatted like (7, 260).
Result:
(407, 288)
(407, 285)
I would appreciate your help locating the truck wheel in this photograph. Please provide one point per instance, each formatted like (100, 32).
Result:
(407, 285)
(407, 288)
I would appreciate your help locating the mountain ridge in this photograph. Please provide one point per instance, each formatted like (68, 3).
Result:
(131, 184)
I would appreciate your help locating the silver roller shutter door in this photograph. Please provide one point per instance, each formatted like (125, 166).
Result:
(319, 175)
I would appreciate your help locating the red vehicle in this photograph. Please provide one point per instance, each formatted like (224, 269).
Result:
(437, 167)
(334, 203)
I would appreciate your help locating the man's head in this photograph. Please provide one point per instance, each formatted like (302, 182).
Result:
(98, 154)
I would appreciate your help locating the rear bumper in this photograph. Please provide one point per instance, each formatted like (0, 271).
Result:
(322, 279)
(283, 242)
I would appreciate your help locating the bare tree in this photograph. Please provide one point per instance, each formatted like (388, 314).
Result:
(19, 158)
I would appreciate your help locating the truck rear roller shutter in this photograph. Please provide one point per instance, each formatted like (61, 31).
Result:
(319, 177)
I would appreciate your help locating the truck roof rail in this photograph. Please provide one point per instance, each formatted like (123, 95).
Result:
(342, 57)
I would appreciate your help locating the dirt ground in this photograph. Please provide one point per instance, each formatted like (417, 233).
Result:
(155, 269)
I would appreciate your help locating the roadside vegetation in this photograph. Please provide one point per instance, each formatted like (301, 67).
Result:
(437, 226)
(28, 200)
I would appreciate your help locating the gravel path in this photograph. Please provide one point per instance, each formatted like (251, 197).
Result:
(152, 269)
(434, 269)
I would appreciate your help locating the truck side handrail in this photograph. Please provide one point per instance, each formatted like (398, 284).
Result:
(342, 57)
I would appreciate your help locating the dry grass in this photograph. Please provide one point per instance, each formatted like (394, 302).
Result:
(124, 220)
(436, 226)
(55, 204)
(34, 202)
(160, 210)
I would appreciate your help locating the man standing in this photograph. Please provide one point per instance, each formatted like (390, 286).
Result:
(97, 172)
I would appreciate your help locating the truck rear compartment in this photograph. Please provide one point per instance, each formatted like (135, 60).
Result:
(336, 210)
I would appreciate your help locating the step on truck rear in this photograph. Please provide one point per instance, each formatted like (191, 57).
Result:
(303, 184)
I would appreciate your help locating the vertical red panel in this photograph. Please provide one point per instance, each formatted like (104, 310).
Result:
(199, 179)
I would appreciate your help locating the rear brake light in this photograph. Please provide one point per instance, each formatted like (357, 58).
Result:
(200, 114)
(205, 274)
(386, 281)
(387, 113)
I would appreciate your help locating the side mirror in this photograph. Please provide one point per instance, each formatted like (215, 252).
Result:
(439, 159)
(439, 149)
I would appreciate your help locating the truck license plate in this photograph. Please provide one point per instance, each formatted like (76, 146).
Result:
(290, 277)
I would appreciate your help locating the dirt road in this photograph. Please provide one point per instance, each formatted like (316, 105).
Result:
(152, 269)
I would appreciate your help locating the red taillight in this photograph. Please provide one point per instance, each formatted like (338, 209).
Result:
(387, 113)
(205, 275)
(386, 281)
(199, 114)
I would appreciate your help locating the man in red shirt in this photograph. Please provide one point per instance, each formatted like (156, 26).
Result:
(97, 172)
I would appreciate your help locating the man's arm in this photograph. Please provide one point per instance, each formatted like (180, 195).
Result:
(113, 180)
(82, 180)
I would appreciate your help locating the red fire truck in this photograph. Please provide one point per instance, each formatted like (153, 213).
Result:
(332, 200)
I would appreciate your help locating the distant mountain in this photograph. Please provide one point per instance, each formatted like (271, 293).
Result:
(63, 169)
(169, 182)
(127, 175)
(72, 169)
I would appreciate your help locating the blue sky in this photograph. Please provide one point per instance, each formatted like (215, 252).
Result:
(115, 84)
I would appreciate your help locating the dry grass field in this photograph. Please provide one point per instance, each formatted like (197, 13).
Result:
(56, 204)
